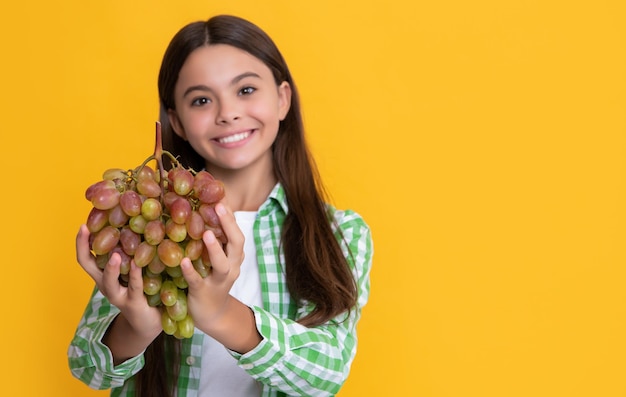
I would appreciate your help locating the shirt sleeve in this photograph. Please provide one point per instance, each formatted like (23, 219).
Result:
(302, 361)
(89, 359)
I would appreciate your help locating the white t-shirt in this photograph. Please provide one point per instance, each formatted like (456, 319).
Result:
(220, 374)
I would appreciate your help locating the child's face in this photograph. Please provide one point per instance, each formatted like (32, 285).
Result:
(228, 107)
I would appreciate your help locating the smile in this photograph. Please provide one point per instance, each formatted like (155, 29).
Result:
(235, 137)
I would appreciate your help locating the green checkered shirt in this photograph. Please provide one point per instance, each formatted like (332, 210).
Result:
(290, 360)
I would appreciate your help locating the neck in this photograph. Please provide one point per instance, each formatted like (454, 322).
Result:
(248, 188)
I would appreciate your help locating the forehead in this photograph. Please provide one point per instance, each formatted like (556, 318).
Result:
(219, 63)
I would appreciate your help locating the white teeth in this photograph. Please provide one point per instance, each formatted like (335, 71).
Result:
(234, 138)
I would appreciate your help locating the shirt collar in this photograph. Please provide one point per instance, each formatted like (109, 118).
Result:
(278, 197)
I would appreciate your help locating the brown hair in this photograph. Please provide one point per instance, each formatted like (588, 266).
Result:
(316, 269)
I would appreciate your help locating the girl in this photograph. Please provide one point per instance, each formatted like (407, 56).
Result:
(277, 315)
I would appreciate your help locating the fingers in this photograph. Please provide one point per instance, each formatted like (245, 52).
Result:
(219, 261)
(190, 274)
(84, 256)
(135, 281)
(231, 230)
(110, 285)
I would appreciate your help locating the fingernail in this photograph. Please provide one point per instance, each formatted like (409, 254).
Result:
(209, 237)
(220, 209)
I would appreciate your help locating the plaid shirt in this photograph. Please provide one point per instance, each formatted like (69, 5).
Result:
(290, 360)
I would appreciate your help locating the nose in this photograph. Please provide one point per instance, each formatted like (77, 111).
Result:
(228, 112)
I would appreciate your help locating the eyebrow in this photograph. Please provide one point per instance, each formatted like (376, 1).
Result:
(202, 87)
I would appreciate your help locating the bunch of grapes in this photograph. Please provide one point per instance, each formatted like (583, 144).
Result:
(156, 217)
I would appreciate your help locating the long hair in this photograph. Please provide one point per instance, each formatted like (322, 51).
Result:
(317, 272)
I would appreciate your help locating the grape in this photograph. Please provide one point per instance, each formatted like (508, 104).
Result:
(105, 240)
(182, 180)
(129, 240)
(144, 254)
(152, 284)
(175, 231)
(195, 225)
(148, 187)
(170, 253)
(117, 217)
(200, 267)
(151, 209)
(193, 249)
(154, 300)
(185, 328)
(174, 272)
(169, 293)
(154, 232)
(209, 215)
(156, 266)
(178, 310)
(105, 197)
(114, 173)
(130, 201)
(180, 282)
(169, 325)
(210, 192)
(89, 193)
(138, 224)
(155, 217)
(97, 219)
(180, 210)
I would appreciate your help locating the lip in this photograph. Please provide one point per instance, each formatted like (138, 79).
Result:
(235, 138)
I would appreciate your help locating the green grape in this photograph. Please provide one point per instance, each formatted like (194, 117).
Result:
(201, 268)
(152, 284)
(151, 209)
(182, 180)
(174, 272)
(169, 293)
(114, 173)
(185, 328)
(102, 260)
(175, 231)
(153, 300)
(180, 282)
(169, 325)
(137, 224)
(178, 310)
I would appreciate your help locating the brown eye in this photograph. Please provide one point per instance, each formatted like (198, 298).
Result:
(247, 91)
(200, 101)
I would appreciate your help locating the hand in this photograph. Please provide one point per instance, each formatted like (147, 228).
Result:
(145, 320)
(208, 298)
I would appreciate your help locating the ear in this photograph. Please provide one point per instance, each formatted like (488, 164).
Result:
(284, 100)
(177, 126)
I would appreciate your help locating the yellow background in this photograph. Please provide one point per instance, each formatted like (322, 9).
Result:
(484, 142)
